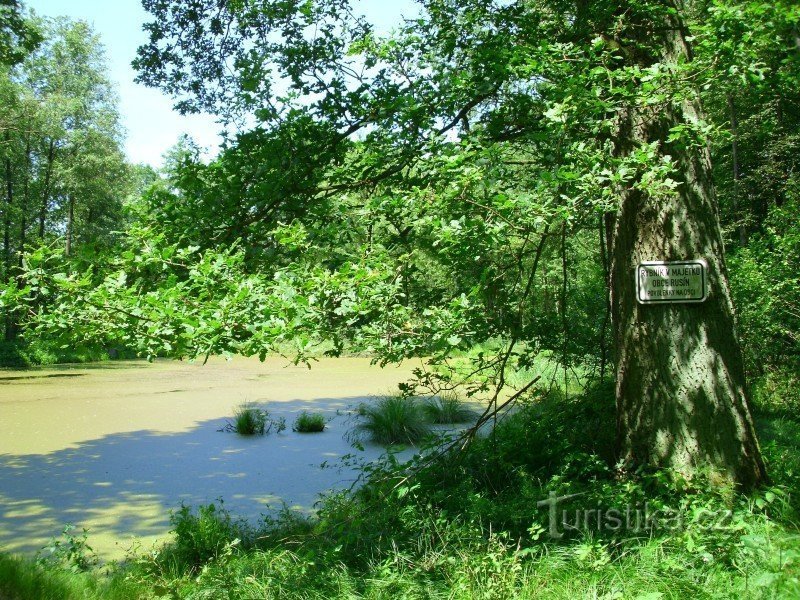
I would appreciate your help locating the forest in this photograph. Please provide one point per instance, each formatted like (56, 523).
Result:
(478, 189)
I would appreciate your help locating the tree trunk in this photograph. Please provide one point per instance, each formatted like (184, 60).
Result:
(23, 222)
(607, 311)
(70, 224)
(46, 191)
(9, 181)
(737, 175)
(681, 396)
(8, 329)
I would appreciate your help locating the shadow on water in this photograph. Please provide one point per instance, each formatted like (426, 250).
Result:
(88, 366)
(50, 376)
(125, 484)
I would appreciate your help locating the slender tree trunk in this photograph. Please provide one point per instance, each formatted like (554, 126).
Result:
(8, 329)
(563, 309)
(48, 172)
(23, 223)
(70, 224)
(737, 176)
(607, 311)
(7, 216)
(681, 396)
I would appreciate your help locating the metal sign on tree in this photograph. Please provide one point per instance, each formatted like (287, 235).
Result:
(660, 282)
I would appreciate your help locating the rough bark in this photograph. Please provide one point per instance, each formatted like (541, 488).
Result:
(681, 396)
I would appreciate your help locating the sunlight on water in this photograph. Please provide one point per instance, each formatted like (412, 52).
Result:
(113, 447)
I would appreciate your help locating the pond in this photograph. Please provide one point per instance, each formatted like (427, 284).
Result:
(113, 447)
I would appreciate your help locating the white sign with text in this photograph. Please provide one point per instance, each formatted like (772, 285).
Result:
(659, 282)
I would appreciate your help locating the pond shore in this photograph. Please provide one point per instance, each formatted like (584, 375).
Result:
(113, 447)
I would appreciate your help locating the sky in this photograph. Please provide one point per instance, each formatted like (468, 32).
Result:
(152, 126)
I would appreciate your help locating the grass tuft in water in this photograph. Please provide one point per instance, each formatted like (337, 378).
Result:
(446, 408)
(394, 419)
(308, 422)
(248, 419)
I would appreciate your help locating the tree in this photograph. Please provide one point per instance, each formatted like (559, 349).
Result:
(83, 178)
(681, 393)
(18, 36)
(63, 170)
(483, 134)
(76, 171)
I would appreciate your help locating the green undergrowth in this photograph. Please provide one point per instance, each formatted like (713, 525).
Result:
(20, 355)
(475, 524)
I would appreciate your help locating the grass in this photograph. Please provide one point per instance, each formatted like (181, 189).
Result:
(393, 419)
(401, 419)
(446, 408)
(248, 419)
(469, 526)
(307, 422)
(23, 579)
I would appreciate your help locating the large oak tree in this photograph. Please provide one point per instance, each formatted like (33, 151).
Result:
(472, 121)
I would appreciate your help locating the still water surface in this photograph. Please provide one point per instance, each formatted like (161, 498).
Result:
(113, 447)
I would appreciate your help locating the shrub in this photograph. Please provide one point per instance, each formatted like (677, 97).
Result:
(203, 535)
(394, 419)
(13, 354)
(763, 277)
(71, 551)
(308, 422)
(446, 408)
(22, 354)
(777, 392)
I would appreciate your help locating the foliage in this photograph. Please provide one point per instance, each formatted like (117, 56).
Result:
(18, 35)
(203, 535)
(38, 352)
(64, 173)
(777, 392)
(441, 192)
(452, 182)
(392, 419)
(468, 526)
(446, 407)
(764, 281)
(71, 551)
(470, 184)
(307, 422)
(11, 355)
